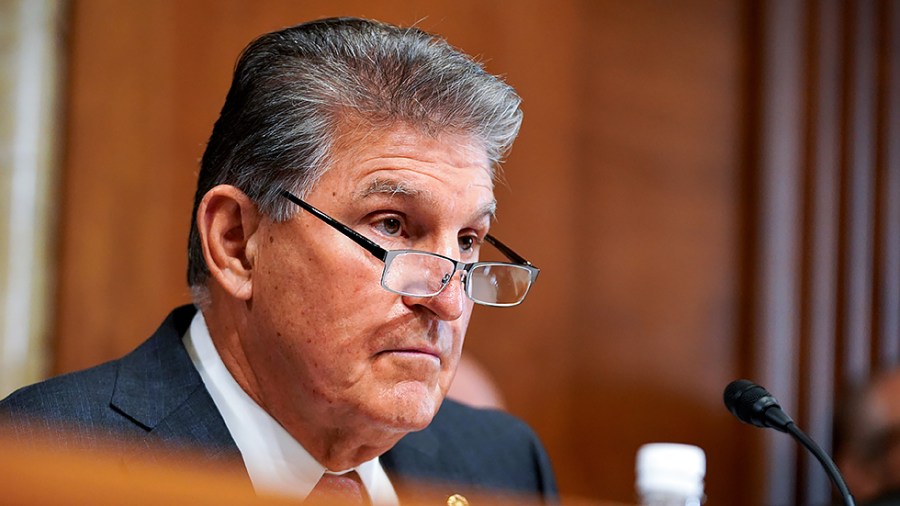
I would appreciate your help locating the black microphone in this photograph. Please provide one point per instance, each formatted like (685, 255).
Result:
(753, 404)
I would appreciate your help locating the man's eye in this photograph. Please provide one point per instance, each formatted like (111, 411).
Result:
(391, 226)
(466, 243)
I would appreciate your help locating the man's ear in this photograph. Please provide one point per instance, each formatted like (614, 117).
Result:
(227, 220)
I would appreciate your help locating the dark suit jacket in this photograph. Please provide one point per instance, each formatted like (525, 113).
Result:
(154, 395)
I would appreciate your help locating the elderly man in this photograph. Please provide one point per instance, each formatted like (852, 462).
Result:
(343, 203)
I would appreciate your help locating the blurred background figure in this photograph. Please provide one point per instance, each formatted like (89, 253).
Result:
(474, 385)
(867, 440)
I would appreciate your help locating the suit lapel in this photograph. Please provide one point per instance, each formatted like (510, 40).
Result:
(158, 388)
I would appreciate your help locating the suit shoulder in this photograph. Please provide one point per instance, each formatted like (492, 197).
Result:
(479, 421)
(489, 449)
(87, 395)
(63, 394)
(487, 434)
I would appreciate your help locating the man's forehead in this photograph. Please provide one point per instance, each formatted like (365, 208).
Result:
(358, 141)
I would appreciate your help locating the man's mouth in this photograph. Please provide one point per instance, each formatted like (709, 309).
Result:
(413, 352)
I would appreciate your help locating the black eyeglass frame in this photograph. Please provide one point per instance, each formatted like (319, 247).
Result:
(387, 255)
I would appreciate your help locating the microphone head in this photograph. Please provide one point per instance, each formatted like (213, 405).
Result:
(753, 404)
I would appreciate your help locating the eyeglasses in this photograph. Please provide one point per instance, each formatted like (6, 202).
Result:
(424, 274)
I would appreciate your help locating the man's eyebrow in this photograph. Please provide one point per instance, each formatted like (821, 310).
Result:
(393, 187)
(489, 210)
(388, 186)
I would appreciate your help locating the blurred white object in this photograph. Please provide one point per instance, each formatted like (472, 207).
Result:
(670, 474)
(31, 52)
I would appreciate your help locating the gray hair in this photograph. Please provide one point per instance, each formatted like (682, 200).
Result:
(294, 88)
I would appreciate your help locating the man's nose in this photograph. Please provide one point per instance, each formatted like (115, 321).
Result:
(447, 305)
(451, 302)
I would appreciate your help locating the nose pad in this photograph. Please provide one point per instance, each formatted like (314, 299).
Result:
(463, 275)
(449, 277)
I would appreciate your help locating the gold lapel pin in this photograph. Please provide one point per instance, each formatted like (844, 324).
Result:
(457, 500)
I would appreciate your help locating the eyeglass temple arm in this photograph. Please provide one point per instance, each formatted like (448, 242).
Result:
(376, 250)
(506, 250)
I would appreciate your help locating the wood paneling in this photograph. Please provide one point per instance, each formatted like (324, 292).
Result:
(708, 187)
(822, 280)
(887, 238)
(659, 208)
(821, 199)
(775, 171)
(623, 187)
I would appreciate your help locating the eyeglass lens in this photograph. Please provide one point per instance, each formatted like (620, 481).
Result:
(499, 283)
(422, 274)
(417, 274)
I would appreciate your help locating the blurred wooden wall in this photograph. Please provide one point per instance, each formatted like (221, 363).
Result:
(822, 298)
(665, 182)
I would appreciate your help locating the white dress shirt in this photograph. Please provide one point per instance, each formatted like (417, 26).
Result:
(276, 462)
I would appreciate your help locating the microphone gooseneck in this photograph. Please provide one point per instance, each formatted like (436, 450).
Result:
(753, 404)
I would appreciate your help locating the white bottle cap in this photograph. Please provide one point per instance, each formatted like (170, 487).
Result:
(672, 468)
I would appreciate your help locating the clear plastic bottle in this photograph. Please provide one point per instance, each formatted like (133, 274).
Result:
(670, 474)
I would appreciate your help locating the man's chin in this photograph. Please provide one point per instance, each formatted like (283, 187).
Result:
(410, 406)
